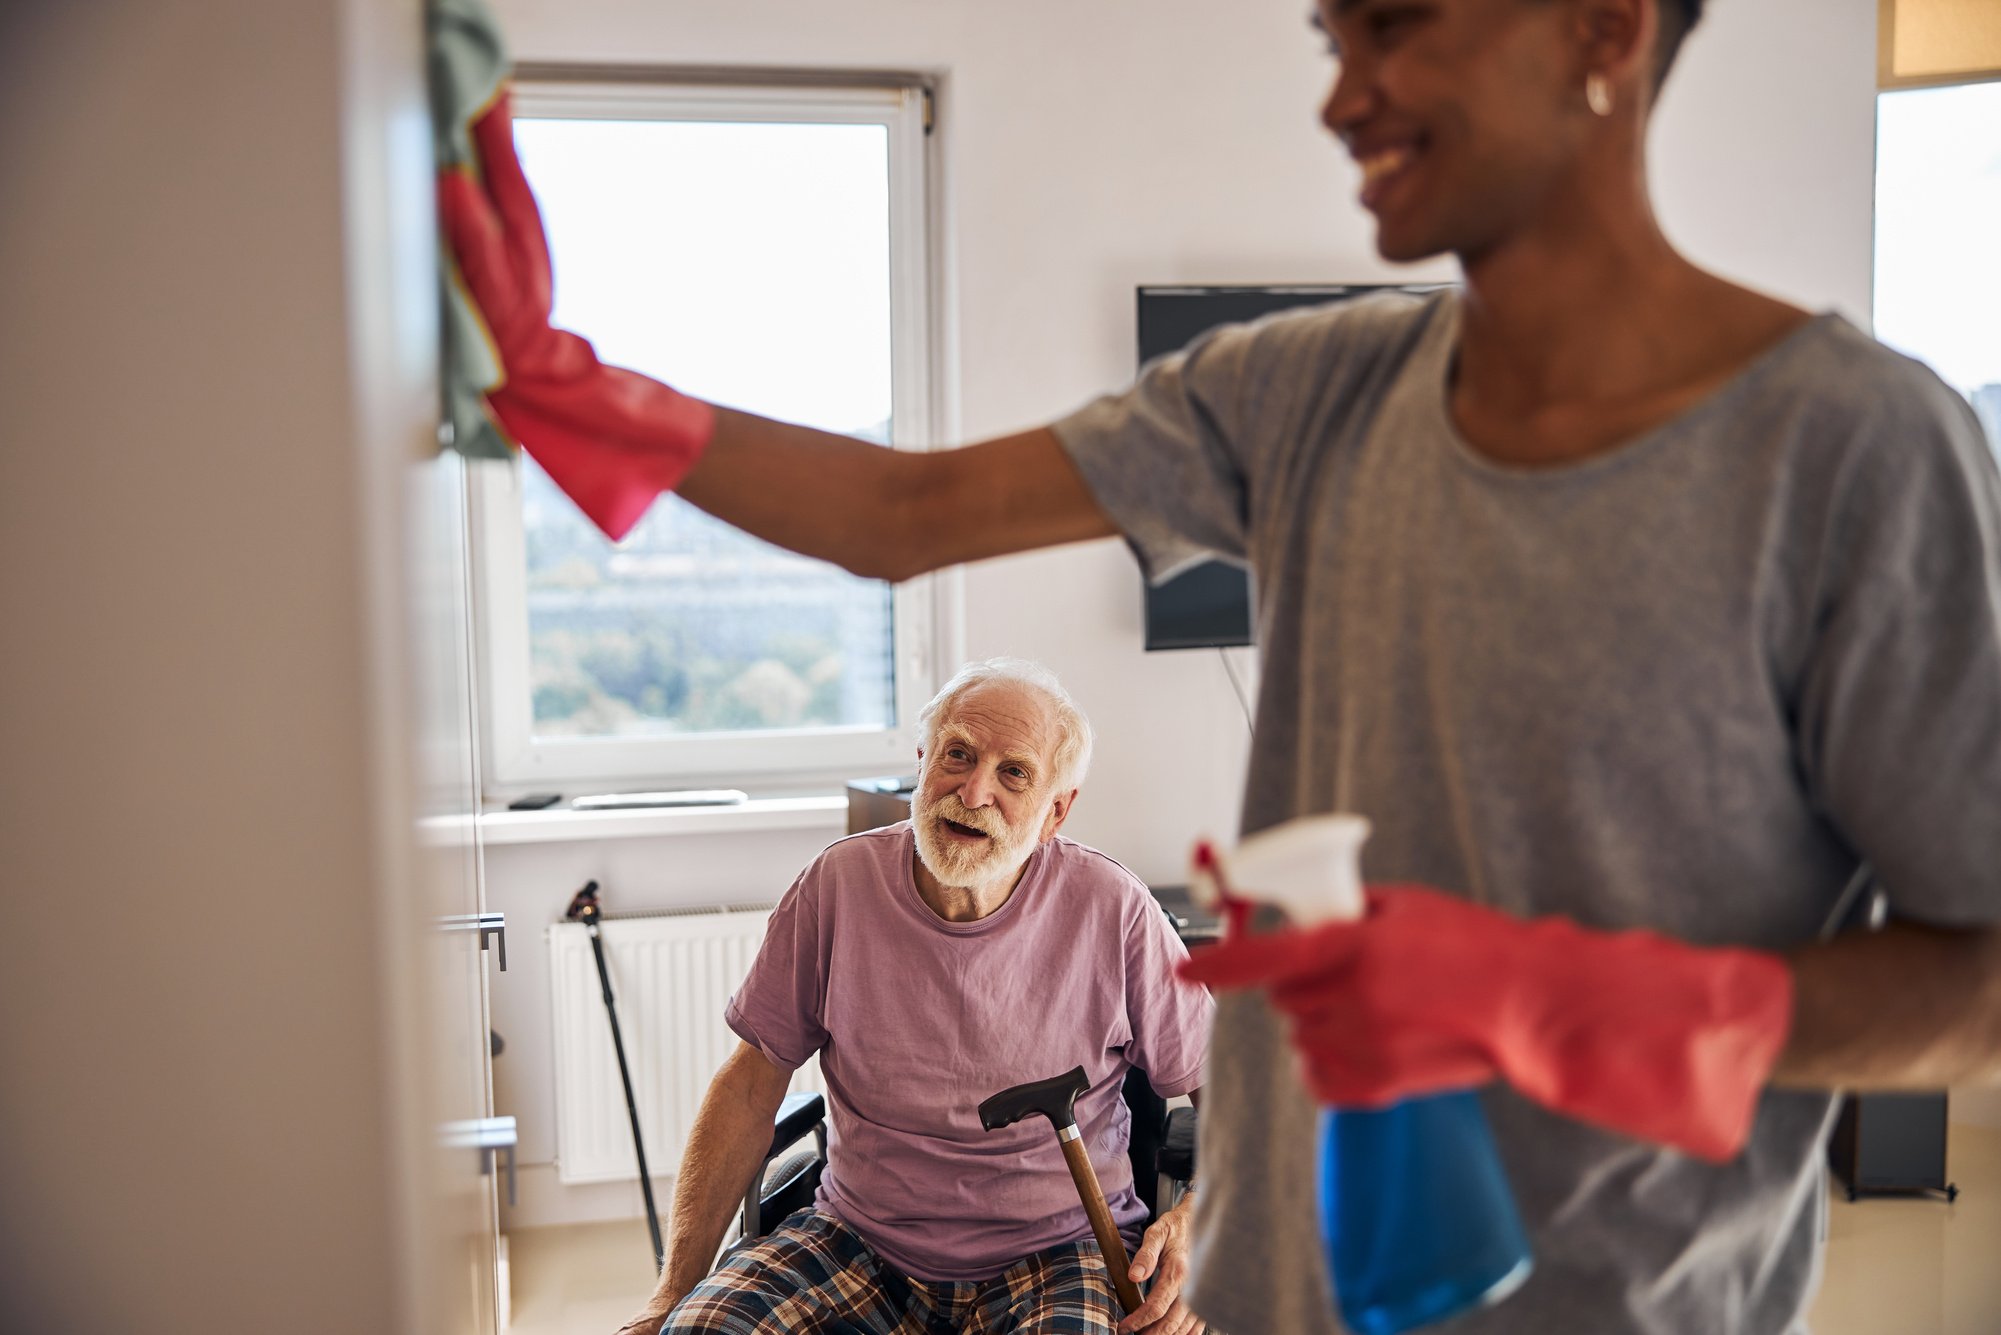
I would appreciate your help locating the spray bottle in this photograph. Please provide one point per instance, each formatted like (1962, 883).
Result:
(1415, 1212)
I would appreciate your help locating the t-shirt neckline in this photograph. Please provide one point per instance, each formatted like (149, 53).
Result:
(1029, 876)
(1436, 389)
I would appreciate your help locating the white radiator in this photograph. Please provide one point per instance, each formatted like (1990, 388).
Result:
(671, 974)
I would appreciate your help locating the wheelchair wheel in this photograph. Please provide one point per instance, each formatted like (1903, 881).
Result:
(784, 1170)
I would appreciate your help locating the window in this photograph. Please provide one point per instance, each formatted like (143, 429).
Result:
(1938, 269)
(764, 248)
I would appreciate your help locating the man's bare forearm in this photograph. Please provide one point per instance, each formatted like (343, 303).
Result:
(1906, 1008)
(731, 1136)
(891, 514)
(833, 497)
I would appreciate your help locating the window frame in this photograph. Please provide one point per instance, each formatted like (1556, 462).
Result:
(778, 760)
(1925, 350)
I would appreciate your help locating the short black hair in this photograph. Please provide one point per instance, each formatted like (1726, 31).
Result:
(1678, 18)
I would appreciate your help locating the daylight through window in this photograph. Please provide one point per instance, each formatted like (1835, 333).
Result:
(762, 250)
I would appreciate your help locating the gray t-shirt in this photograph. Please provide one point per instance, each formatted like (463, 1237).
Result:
(1689, 684)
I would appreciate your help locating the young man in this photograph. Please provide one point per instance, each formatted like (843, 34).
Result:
(1606, 589)
(931, 965)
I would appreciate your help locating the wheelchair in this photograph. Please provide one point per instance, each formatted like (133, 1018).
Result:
(1162, 1152)
(1162, 1148)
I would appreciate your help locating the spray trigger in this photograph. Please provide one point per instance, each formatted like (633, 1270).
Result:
(1310, 868)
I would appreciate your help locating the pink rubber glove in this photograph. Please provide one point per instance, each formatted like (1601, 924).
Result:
(612, 439)
(1631, 1031)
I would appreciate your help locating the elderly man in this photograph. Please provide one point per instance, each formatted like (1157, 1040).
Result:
(931, 964)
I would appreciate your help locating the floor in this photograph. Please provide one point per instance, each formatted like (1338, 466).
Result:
(1899, 1266)
(1894, 1266)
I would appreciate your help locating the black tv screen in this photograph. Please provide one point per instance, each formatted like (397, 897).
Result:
(1209, 605)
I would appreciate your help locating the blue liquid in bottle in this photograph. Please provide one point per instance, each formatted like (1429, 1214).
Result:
(1416, 1214)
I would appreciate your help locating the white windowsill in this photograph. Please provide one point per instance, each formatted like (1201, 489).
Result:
(561, 825)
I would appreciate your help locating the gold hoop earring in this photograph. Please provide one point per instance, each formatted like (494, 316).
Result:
(1598, 95)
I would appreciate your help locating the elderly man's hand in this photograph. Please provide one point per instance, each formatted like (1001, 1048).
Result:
(1163, 1257)
(648, 1321)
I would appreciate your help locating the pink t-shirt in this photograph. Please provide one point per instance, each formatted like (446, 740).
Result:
(917, 1020)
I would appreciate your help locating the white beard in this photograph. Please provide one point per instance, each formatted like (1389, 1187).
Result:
(962, 865)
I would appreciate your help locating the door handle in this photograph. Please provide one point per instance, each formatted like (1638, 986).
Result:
(489, 1138)
(492, 929)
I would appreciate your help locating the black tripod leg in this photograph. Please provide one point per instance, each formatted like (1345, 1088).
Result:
(631, 1107)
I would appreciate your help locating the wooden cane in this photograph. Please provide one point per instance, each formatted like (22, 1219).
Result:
(1107, 1232)
(1055, 1099)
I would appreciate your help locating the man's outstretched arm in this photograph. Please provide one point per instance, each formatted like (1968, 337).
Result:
(1631, 1031)
(892, 514)
(1906, 1008)
(731, 1136)
(613, 439)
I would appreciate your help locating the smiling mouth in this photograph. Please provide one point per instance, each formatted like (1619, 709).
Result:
(963, 831)
(1382, 168)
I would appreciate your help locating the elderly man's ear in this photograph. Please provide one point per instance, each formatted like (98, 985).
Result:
(1059, 811)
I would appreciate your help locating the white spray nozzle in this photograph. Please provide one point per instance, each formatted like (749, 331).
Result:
(1311, 868)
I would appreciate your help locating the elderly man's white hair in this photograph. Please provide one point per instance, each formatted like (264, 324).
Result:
(1073, 731)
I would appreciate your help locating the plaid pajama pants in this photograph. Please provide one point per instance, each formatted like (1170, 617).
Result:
(814, 1276)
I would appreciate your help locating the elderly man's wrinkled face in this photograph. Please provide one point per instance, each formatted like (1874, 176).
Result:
(986, 791)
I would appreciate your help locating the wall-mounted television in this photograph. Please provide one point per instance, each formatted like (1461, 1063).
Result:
(1209, 605)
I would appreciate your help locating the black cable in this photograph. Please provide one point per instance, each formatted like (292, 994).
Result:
(1242, 698)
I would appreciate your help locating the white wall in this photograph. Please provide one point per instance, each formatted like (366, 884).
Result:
(532, 884)
(1091, 146)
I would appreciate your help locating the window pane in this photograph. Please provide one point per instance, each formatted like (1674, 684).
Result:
(747, 264)
(1938, 267)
